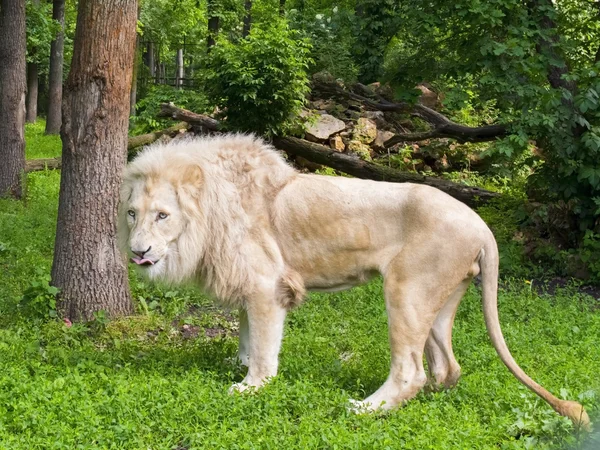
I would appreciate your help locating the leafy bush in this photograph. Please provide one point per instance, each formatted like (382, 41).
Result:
(261, 82)
(39, 300)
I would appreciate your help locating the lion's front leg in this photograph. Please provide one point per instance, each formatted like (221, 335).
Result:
(265, 320)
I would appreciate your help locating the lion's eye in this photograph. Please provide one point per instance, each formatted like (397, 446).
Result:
(131, 213)
(162, 215)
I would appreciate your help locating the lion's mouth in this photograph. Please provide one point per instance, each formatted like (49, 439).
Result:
(142, 261)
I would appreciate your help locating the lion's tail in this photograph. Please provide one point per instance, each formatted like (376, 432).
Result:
(488, 262)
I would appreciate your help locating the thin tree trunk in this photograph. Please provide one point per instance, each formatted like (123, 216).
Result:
(179, 77)
(12, 96)
(247, 18)
(134, 77)
(213, 24)
(88, 267)
(55, 78)
(281, 8)
(33, 82)
(150, 61)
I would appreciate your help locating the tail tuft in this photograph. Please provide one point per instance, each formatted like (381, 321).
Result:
(575, 412)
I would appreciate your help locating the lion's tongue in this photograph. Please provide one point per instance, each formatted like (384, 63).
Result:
(141, 261)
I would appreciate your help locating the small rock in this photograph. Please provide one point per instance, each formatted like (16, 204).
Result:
(382, 137)
(442, 163)
(376, 116)
(428, 97)
(337, 143)
(362, 150)
(323, 105)
(324, 126)
(365, 130)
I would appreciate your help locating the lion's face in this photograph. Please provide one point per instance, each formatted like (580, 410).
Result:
(155, 222)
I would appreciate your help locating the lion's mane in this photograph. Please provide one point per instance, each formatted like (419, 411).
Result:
(225, 184)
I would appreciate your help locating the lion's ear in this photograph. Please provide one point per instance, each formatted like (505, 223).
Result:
(191, 179)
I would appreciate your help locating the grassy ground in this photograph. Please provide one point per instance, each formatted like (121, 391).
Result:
(159, 380)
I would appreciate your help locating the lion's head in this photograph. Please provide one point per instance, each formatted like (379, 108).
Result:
(159, 206)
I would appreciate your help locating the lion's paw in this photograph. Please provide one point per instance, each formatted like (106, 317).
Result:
(240, 387)
(359, 407)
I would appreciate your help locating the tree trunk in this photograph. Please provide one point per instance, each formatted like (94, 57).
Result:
(179, 73)
(150, 61)
(281, 8)
(88, 267)
(162, 73)
(134, 76)
(55, 78)
(213, 24)
(33, 82)
(13, 48)
(247, 18)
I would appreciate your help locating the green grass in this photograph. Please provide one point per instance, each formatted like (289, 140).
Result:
(144, 382)
(38, 145)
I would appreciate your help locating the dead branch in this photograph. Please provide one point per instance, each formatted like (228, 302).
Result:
(442, 126)
(144, 139)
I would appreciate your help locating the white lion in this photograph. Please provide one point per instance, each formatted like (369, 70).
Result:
(230, 215)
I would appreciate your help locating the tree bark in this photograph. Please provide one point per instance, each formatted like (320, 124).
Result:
(88, 266)
(150, 61)
(13, 48)
(247, 18)
(134, 77)
(33, 82)
(213, 24)
(179, 77)
(55, 78)
(354, 166)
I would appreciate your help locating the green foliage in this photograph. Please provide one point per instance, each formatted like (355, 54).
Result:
(38, 144)
(146, 119)
(41, 30)
(39, 299)
(330, 33)
(261, 82)
(377, 23)
(525, 68)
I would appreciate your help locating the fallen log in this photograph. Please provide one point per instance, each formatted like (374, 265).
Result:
(354, 166)
(33, 165)
(144, 139)
(133, 143)
(359, 168)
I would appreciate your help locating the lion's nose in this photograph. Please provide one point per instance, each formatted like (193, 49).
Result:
(141, 253)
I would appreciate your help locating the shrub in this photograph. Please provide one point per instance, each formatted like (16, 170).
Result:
(260, 83)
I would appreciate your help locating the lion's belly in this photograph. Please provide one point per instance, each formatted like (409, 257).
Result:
(337, 282)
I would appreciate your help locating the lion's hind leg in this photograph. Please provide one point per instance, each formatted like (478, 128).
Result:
(412, 308)
(444, 370)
